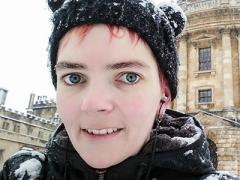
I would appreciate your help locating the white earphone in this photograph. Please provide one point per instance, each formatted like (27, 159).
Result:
(164, 99)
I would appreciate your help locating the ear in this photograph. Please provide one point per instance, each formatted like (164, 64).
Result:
(164, 102)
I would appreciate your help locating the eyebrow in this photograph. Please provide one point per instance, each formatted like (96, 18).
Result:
(69, 65)
(128, 64)
(114, 66)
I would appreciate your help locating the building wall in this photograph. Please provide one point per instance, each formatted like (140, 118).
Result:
(10, 143)
(226, 136)
(19, 130)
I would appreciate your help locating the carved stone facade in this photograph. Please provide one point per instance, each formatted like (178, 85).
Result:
(31, 129)
(212, 25)
(209, 74)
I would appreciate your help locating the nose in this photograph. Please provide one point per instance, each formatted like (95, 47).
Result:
(97, 99)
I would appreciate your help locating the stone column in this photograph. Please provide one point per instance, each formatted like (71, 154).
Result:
(227, 69)
(181, 102)
(238, 39)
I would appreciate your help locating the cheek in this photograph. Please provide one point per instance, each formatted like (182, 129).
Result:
(66, 107)
(140, 107)
(135, 107)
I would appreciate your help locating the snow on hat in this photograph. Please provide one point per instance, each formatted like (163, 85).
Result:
(159, 25)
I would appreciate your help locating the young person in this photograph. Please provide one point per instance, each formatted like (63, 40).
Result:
(114, 66)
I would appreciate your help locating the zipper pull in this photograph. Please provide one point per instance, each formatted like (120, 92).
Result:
(101, 174)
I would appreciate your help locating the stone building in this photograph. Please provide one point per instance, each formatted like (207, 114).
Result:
(209, 74)
(30, 129)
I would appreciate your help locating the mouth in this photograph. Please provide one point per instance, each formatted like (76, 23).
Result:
(102, 132)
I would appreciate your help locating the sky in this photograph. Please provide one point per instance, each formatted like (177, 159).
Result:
(25, 29)
(24, 32)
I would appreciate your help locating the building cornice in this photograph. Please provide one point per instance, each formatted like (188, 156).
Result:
(212, 27)
(192, 7)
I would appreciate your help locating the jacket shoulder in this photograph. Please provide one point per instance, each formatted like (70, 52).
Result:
(218, 175)
(25, 164)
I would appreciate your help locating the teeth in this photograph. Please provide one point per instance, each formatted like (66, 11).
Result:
(102, 131)
(89, 131)
(95, 131)
(110, 131)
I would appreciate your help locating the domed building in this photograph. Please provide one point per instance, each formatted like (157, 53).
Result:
(209, 75)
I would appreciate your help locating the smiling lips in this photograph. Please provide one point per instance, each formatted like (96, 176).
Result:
(102, 131)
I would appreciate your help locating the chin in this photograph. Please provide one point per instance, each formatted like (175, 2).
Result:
(101, 164)
(102, 160)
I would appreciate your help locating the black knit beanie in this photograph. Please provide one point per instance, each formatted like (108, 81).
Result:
(159, 25)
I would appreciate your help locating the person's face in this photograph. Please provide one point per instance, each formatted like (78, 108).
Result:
(108, 94)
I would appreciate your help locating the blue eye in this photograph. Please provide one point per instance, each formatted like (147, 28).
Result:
(72, 79)
(130, 78)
